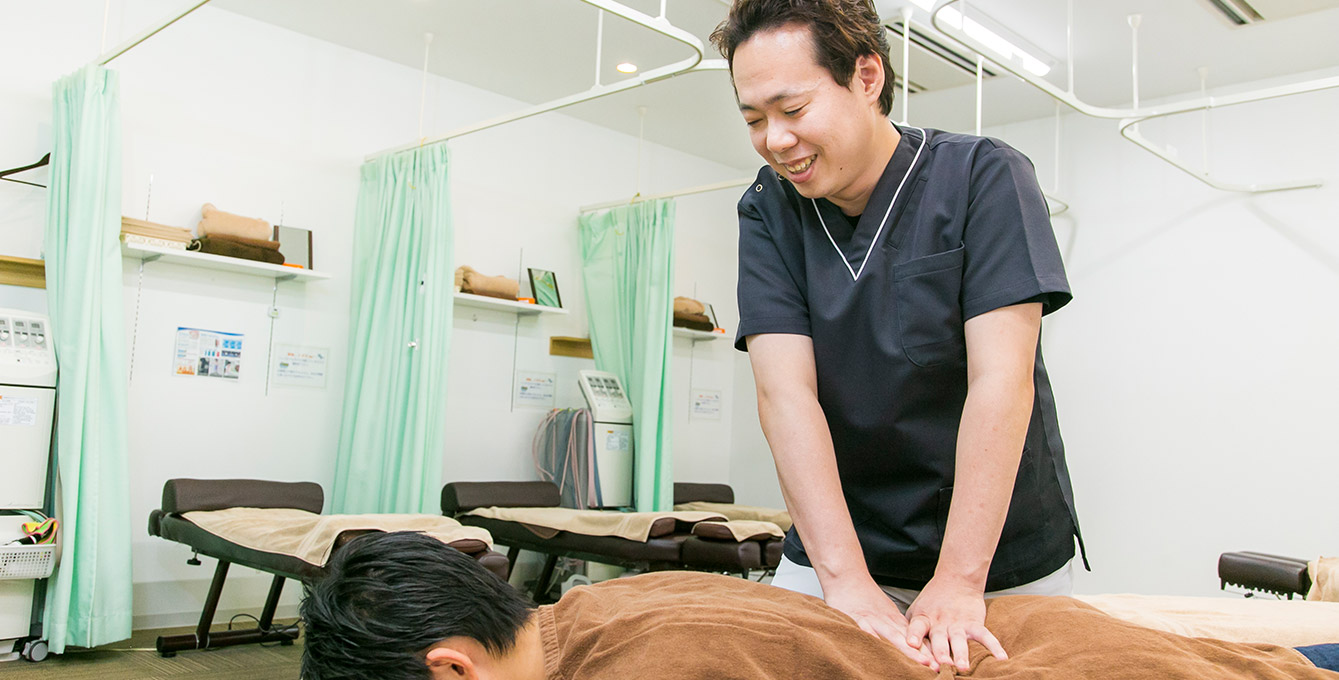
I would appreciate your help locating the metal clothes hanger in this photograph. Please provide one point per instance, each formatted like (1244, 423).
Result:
(5, 174)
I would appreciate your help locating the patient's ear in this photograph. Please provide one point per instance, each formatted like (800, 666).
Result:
(446, 661)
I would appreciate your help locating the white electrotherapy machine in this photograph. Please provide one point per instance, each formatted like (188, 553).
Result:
(27, 411)
(612, 415)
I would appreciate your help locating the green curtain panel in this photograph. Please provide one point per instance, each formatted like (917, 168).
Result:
(89, 597)
(627, 256)
(392, 436)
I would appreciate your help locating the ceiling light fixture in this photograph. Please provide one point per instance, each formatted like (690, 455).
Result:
(997, 43)
(627, 67)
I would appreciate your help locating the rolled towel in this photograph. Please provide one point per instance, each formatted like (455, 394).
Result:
(1324, 574)
(254, 243)
(683, 305)
(697, 322)
(215, 246)
(491, 286)
(214, 222)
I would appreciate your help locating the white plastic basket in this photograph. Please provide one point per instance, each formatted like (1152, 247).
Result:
(27, 561)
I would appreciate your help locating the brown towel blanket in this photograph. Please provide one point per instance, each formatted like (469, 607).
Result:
(471, 281)
(674, 625)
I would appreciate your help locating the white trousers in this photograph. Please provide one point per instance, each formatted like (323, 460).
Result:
(801, 579)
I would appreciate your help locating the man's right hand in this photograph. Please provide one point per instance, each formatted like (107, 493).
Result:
(875, 613)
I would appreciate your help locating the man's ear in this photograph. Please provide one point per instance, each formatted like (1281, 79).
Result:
(868, 77)
(448, 662)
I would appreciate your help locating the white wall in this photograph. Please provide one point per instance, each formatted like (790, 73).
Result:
(1195, 372)
(265, 122)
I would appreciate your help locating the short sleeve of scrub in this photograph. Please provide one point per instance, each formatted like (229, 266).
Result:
(771, 299)
(1012, 256)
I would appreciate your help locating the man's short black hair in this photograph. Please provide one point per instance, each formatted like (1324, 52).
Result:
(842, 31)
(388, 597)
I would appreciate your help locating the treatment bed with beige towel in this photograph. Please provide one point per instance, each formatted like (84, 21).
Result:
(527, 516)
(277, 528)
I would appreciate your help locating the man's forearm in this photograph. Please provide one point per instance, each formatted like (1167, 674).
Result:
(990, 445)
(807, 469)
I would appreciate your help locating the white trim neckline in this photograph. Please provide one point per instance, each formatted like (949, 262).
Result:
(855, 275)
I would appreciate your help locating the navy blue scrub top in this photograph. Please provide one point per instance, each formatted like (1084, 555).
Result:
(956, 227)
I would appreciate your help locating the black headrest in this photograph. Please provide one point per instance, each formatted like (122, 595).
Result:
(186, 495)
(688, 492)
(458, 497)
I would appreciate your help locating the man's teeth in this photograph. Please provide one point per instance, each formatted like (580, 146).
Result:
(802, 165)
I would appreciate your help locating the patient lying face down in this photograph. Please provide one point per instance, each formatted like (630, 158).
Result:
(402, 605)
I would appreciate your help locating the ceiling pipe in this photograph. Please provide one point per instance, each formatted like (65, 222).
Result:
(1131, 117)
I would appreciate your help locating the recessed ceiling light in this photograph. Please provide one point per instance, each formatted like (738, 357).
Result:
(627, 67)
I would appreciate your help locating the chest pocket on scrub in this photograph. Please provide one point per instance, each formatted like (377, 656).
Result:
(929, 314)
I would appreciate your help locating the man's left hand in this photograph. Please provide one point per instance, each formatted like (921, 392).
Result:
(948, 615)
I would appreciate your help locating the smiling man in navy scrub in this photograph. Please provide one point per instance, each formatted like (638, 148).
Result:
(892, 282)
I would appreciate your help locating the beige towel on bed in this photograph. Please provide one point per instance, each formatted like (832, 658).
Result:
(310, 537)
(1289, 623)
(732, 511)
(1324, 574)
(634, 526)
(737, 530)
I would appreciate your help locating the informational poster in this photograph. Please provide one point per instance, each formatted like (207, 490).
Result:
(18, 411)
(535, 389)
(300, 366)
(707, 404)
(208, 354)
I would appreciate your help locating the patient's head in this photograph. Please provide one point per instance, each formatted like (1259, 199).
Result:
(405, 605)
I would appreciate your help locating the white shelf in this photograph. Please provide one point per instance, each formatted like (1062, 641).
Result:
(236, 265)
(498, 304)
(697, 335)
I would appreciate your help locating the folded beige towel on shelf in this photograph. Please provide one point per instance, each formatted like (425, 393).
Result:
(736, 512)
(214, 221)
(683, 305)
(311, 537)
(1289, 623)
(634, 526)
(471, 281)
(1324, 572)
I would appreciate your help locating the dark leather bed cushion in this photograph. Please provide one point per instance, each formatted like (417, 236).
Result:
(689, 492)
(187, 495)
(1260, 571)
(458, 497)
(700, 553)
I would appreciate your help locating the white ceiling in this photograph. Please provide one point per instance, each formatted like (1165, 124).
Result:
(538, 50)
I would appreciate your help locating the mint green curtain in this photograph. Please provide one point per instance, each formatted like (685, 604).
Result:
(392, 435)
(89, 597)
(627, 258)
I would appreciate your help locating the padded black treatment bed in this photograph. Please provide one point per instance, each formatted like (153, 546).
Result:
(694, 492)
(181, 496)
(676, 550)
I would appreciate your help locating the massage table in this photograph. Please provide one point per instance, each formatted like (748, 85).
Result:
(669, 546)
(182, 498)
(694, 495)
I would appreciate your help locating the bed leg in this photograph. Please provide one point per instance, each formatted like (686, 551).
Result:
(545, 575)
(512, 553)
(169, 645)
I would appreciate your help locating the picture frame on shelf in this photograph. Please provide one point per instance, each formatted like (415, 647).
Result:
(544, 288)
(295, 245)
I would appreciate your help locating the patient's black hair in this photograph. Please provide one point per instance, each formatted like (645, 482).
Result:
(388, 597)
